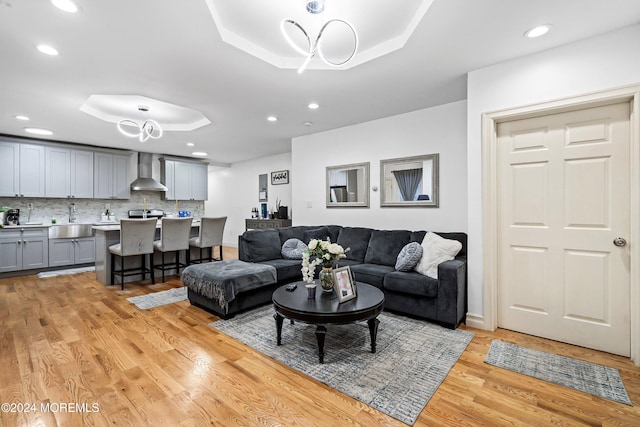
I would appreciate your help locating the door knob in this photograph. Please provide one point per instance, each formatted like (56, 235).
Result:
(619, 241)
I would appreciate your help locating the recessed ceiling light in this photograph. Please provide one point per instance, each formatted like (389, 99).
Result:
(538, 31)
(313, 106)
(24, 118)
(38, 131)
(308, 124)
(66, 5)
(272, 118)
(47, 50)
(199, 153)
(190, 144)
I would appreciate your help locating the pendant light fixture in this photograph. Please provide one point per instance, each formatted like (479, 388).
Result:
(148, 129)
(316, 7)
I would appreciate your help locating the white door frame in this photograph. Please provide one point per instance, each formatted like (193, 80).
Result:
(490, 200)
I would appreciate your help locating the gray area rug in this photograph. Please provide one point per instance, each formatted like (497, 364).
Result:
(412, 356)
(65, 272)
(156, 299)
(597, 380)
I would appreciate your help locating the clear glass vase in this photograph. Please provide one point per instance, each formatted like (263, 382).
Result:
(326, 279)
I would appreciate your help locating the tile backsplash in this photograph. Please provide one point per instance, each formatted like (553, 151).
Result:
(91, 210)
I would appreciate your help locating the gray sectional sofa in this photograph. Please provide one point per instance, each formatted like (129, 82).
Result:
(371, 257)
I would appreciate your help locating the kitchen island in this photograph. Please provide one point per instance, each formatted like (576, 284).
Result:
(107, 235)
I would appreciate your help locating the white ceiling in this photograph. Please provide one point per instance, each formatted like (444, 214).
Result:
(172, 51)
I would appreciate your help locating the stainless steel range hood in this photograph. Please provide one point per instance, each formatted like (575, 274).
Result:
(145, 182)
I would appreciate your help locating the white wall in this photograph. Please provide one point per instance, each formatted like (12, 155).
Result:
(233, 192)
(596, 64)
(440, 130)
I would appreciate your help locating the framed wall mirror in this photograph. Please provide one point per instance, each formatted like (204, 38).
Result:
(348, 186)
(409, 182)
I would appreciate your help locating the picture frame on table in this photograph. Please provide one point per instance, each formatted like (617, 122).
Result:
(280, 177)
(344, 287)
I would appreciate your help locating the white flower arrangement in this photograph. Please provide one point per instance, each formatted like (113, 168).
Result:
(326, 253)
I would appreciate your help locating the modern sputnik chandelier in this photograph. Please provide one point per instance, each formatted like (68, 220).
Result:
(316, 7)
(148, 129)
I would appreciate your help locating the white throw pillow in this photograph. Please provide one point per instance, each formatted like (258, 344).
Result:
(435, 250)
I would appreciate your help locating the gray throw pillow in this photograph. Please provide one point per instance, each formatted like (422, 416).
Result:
(293, 248)
(409, 257)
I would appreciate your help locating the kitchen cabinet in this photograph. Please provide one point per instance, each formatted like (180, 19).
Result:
(23, 249)
(22, 167)
(31, 170)
(79, 250)
(111, 176)
(69, 173)
(10, 167)
(184, 180)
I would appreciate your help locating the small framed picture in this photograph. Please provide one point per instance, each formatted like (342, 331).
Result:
(344, 287)
(280, 177)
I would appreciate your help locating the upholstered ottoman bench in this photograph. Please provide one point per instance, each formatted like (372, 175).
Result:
(227, 287)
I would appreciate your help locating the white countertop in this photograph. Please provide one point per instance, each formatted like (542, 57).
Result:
(115, 226)
(105, 226)
(30, 225)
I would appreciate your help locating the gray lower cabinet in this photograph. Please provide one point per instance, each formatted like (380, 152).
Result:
(23, 249)
(81, 250)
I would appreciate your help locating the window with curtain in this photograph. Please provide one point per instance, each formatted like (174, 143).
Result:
(408, 182)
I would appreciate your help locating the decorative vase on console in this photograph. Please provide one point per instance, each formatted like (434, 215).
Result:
(325, 253)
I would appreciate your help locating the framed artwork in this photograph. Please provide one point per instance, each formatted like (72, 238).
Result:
(262, 187)
(280, 177)
(344, 287)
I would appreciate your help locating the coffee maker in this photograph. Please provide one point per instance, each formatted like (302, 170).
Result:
(13, 217)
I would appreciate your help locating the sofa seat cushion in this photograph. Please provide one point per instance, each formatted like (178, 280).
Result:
(384, 246)
(372, 274)
(357, 240)
(262, 245)
(411, 283)
(346, 262)
(287, 270)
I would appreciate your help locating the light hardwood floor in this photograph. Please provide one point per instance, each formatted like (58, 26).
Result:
(70, 339)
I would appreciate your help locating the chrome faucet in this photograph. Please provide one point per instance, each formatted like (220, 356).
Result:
(73, 213)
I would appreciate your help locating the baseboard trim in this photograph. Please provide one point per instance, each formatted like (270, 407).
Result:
(477, 321)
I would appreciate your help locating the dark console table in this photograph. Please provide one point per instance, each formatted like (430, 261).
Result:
(266, 223)
(325, 309)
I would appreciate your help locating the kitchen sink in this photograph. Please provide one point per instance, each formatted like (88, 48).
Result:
(70, 231)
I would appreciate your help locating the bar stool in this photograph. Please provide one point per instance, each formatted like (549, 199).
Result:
(174, 237)
(136, 238)
(210, 236)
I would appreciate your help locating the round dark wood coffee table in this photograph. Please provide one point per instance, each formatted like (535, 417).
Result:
(325, 310)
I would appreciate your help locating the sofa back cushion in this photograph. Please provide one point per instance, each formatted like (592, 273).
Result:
(296, 232)
(261, 245)
(357, 240)
(334, 232)
(384, 246)
(320, 233)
